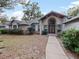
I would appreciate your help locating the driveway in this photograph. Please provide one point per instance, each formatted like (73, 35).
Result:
(54, 49)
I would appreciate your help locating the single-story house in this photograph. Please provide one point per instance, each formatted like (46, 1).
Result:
(4, 25)
(55, 23)
(72, 23)
(34, 23)
(16, 24)
(52, 22)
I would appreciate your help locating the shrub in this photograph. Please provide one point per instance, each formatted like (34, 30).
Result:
(30, 30)
(44, 32)
(3, 31)
(71, 40)
(16, 31)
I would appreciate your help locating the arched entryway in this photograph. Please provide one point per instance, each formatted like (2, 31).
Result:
(52, 25)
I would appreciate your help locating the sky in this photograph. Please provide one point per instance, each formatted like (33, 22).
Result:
(45, 6)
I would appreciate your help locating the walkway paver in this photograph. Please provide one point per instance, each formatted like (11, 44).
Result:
(54, 50)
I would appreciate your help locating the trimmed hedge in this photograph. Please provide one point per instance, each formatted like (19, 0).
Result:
(71, 40)
(30, 30)
(45, 32)
(3, 31)
(16, 32)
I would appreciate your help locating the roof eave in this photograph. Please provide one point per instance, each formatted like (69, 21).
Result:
(54, 13)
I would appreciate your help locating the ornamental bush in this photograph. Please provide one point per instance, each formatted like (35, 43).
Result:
(3, 31)
(71, 40)
(30, 30)
(44, 32)
(16, 32)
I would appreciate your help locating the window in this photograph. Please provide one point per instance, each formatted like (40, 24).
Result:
(45, 27)
(33, 26)
(2, 26)
(14, 26)
(59, 27)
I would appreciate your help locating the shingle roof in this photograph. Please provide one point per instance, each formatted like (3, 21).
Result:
(53, 13)
(72, 19)
(20, 22)
(33, 21)
(23, 22)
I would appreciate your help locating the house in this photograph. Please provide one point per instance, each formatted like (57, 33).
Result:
(4, 25)
(55, 23)
(34, 23)
(16, 24)
(72, 23)
(52, 22)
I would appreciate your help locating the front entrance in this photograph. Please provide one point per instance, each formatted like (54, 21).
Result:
(51, 26)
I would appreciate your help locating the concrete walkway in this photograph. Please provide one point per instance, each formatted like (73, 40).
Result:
(54, 50)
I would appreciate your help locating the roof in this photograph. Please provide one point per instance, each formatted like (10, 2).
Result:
(55, 14)
(1, 24)
(20, 22)
(33, 21)
(72, 19)
(7, 23)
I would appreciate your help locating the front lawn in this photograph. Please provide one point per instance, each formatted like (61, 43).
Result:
(23, 47)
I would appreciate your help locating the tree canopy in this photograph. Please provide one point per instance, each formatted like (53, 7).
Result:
(3, 19)
(6, 4)
(13, 18)
(31, 11)
(74, 11)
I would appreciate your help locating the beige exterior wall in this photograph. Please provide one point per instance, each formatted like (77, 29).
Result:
(14, 23)
(58, 21)
(70, 25)
(23, 27)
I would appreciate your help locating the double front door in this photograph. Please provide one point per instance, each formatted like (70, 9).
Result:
(52, 26)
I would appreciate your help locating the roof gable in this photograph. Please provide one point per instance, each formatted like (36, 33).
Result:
(16, 21)
(59, 15)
